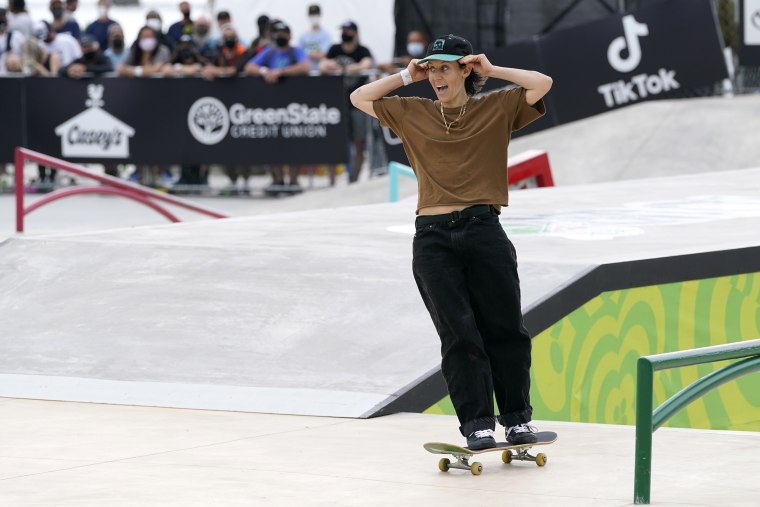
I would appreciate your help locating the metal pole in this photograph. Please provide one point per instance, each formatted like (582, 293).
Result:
(19, 180)
(643, 461)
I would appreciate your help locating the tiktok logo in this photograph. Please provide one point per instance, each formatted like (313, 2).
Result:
(641, 85)
(632, 30)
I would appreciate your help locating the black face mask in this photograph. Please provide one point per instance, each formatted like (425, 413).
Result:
(117, 43)
(201, 31)
(281, 41)
(57, 13)
(186, 14)
(347, 37)
(186, 54)
(230, 43)
(90, 56)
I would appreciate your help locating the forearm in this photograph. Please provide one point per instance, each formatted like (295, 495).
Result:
(377, 89)
(528, 79)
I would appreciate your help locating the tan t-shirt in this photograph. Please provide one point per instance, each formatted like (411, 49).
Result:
(468, 166)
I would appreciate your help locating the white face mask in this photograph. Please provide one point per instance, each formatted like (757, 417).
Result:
(102, 12)
(154, 23)
(314, 20)
(415, 49)
(148, 44)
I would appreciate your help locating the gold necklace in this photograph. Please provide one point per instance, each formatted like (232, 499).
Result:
(462, 110)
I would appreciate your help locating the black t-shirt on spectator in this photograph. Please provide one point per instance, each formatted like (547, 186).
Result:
(338, 54)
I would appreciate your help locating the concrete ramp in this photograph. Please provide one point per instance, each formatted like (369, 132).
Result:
(310, 312)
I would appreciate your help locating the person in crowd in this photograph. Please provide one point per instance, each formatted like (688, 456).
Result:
(71, 9)
(116, 51)
(229, 56)
(10, 46)
(416, 45)
(36, 60)
(62, 44)
(60, 24)
(464, 264)
(186, 59)
(352, 60)
(146, 58)
(263, 39)
(182, 27)
(92, 62)
(317, 40)
(19, 19)
(99, 27)
(202, 38)
(272, 64)
(153, 20)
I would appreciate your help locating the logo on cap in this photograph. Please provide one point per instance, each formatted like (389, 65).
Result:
(438, 44)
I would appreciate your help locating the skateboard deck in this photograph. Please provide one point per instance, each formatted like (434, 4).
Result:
(509, 453)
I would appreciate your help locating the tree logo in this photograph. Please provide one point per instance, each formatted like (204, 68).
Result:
(208, 120)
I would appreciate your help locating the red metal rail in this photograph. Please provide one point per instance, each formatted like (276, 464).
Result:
(112, 186)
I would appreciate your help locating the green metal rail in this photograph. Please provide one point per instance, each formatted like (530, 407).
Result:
(647, 421)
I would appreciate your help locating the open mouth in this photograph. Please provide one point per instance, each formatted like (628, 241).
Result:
(441, 88)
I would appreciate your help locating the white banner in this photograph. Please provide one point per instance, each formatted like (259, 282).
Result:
(752, 22)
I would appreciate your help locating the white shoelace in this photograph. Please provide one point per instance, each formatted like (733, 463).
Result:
(483, 433)
(522, 428)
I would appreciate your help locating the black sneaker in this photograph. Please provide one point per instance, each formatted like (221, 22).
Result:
(521, 434)
(481, 439)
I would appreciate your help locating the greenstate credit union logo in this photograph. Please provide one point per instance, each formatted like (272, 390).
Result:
(208, 120)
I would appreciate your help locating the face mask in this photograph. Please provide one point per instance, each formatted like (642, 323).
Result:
(154, 23)
(57, 13)
(415, 49)
(347, 37)
(117, 43)
(148, 44)
(103, 12)
(201, 31)
(186, 54)
(186, 14)
(314, 20)
(90, 55)
(230, 43)
(281, 41)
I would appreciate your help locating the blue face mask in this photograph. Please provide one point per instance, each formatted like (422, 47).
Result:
(415, 49)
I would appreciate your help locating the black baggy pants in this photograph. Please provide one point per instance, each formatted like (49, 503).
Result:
(466, 271)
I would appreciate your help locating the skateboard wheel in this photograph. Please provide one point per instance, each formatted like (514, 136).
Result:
(443, 464)
(476, 468)
(506, 456)
(541, 459)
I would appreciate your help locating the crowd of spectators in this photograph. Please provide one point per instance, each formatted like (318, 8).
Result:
(61, 45)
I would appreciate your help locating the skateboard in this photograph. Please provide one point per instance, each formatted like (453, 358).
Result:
(463, 454)
(277, 190)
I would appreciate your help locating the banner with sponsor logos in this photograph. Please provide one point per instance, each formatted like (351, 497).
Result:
(238, 121)
(648, 53)
(749, 26)
(11, 117)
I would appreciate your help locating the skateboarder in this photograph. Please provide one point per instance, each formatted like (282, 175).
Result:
(464, 264)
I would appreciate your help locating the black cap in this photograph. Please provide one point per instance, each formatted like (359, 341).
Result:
(279, 26)
(448, 48)
(314, 10)
(349, 25)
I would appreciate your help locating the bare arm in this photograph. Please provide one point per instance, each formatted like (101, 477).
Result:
(363, 97)
(536, 84)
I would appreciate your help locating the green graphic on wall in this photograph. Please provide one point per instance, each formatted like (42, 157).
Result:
(584, 366)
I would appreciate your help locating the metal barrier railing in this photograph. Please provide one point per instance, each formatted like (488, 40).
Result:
(531, 164)
(647, 421)
(110, 186)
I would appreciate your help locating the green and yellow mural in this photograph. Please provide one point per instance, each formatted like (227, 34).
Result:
(584, 366)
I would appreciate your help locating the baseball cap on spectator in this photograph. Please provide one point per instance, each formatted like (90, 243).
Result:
(87, 38)
(280, 26)
(314, 10)
(448, 48)
(186, 38)
(349, 25)
(41, 30)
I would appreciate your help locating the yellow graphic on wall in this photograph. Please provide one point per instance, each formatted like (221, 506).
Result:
(584, 366)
